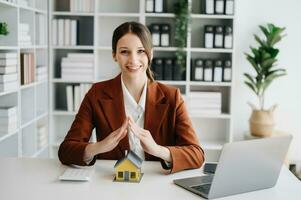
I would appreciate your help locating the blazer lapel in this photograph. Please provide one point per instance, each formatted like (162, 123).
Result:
(113, 108)
(155, 110)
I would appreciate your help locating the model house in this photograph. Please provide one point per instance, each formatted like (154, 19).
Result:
(128, 169)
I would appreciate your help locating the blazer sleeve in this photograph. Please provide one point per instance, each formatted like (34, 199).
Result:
(187, 152)
(72, 149)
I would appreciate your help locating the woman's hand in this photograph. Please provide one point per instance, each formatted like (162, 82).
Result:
(148, 143)
(107, 144)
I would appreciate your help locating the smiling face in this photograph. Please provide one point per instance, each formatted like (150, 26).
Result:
(131, 56)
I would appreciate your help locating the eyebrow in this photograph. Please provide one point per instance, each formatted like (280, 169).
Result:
(127, 48)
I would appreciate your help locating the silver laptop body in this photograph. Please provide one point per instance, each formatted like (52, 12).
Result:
(243, 166)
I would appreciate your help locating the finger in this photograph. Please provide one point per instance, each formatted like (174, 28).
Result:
(125, 123)
(122, 135)
(122, 128)
(133, 124)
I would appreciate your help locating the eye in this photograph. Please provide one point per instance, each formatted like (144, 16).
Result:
(140, 51)
(124, 52)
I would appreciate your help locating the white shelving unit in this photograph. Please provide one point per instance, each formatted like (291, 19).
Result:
(213, 130)
(31, 99)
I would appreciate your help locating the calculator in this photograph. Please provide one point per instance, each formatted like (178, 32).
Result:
(76, 174)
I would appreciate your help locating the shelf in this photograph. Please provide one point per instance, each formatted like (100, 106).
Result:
(211, 116)
(57, 80)
(7, 92)
(41, 116)
(64, 113)
(203, 83)
(9, 47)
(81, 47)
(27, 8)
(41, 47)
(67, 13)
(41, 82)
(23, 87)
(104, 48)
(172, 82)
(159, 15)
(5, 136)
(27, 47)
(8, 4)
(26, 124)
(167, 49)
(118, 14)
(40, 151)
(22, 141)
(40, 11)
(216, 50)
(204, 16)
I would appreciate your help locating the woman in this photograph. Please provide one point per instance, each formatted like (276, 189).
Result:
(132, 111)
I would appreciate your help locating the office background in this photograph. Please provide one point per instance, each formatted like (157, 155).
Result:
(284, 92)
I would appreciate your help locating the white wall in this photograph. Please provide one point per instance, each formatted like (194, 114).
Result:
(285, 91)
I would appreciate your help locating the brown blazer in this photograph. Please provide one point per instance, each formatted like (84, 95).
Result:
(165, 117)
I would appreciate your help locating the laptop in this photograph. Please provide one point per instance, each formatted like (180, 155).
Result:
(243, 166)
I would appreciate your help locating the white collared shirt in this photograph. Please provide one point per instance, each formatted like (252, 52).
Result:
(136, 111)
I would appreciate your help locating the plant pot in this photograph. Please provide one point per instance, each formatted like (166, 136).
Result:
(262, 123)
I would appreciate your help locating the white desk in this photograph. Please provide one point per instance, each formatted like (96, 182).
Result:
(25, 178)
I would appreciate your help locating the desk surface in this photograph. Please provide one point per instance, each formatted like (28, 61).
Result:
(26, 178)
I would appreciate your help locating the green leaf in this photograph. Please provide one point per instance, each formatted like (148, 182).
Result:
(270, 79)
(255, 52)
(259, 40)
(253, 62)
(251, 87)
(250, 78)
(264, 30)
(276, 71)
(267, 63)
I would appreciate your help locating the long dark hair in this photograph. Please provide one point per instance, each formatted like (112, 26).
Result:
(144, 35)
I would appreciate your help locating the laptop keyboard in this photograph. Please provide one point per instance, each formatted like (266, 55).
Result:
(202, 188)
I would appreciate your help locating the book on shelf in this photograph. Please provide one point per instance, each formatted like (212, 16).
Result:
(205, 103)
(42, 137)
(41, 29)
(8, 123)
(69, 93)
(78, 66)
(8, 77)
(67, 32)
(89, 56)
(24, 36)
(75, 94)
(64, 32)
(8, 86)
(8, 55)
(60, 31)
(8, 111)
(27, 68)
(54, 26)
(41, 73)
(24, 3)
(8, 69)
(81, 5)
(5, 129)
(8, 61)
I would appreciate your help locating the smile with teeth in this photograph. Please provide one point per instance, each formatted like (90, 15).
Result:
(133, 67)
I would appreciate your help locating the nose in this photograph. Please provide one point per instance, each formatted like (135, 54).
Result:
(133, 59)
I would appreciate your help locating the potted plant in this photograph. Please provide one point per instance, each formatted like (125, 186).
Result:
(263, 60)
(3, 28)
